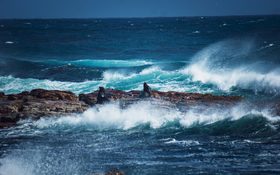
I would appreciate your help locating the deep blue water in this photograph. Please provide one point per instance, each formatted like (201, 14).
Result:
(217, 55)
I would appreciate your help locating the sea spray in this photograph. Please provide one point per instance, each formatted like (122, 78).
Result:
(216, 55)
(112, 116)
(227, 64)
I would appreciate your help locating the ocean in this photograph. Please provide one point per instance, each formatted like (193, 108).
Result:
(237, 55)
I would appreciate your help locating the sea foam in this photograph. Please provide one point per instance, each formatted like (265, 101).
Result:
(153, 115)
(224, 64)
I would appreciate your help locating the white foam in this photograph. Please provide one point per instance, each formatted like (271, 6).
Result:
(110, 76)
(9, 42)
(15, 85)
(182, 142)
(15, 166)
(267, 46)
(106, 63)
(113, 76)
(156, 116)
(112, 116)
(156, 77)
(208, 67)
(240, 77)
(150, 70)
(32, 160)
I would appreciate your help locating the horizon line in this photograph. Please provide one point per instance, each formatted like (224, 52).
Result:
(194, 16)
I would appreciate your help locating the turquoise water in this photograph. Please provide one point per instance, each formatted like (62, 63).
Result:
(216, 55)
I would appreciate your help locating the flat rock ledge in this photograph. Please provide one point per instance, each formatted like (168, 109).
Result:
(39, 102)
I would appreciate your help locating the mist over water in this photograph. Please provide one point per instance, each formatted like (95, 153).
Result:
(235, 63)
(216, 55)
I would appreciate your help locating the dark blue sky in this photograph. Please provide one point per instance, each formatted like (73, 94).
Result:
(133, 8)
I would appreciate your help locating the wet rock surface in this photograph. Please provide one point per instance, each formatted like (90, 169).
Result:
(39, 102)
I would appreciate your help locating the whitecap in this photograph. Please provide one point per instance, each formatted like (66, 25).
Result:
(212, 65)
(9, 42)
(182, 142)
(156, 114)
(112, 116)
(196, 32)
(113, 76)
(267, 46)
(251, 141)
(10, 84)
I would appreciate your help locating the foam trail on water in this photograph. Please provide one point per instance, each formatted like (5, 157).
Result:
(102, 63)
(184, 143)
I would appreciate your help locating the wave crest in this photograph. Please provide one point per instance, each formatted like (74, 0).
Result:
(155, 116)
(229, 64)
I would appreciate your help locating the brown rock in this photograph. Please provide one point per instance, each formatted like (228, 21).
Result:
(53, 95)
(114, 172)
(40, 102)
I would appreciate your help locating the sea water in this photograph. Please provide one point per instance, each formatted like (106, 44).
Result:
(216, 55)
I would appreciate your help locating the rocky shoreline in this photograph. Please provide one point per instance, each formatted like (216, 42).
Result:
(46, 103)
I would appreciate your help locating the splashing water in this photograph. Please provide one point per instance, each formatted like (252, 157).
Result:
(222, 64)
(149, 137)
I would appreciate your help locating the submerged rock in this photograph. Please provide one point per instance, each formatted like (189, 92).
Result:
(2, 94)
(114, 172)
(39, 102)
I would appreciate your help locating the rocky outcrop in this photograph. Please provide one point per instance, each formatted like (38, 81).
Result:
(40, 102)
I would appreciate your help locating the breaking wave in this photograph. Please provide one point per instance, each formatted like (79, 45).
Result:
(111, 116)
(220, 68)
(158, 79)
(235, 63)
(142, 117)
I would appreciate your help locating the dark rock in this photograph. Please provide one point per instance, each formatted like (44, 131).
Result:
(101, 96)
(89, 99)
(146, 91)
(13, 97)
(114, 172)
(53, 95)
(40, 102)
(2, 94)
